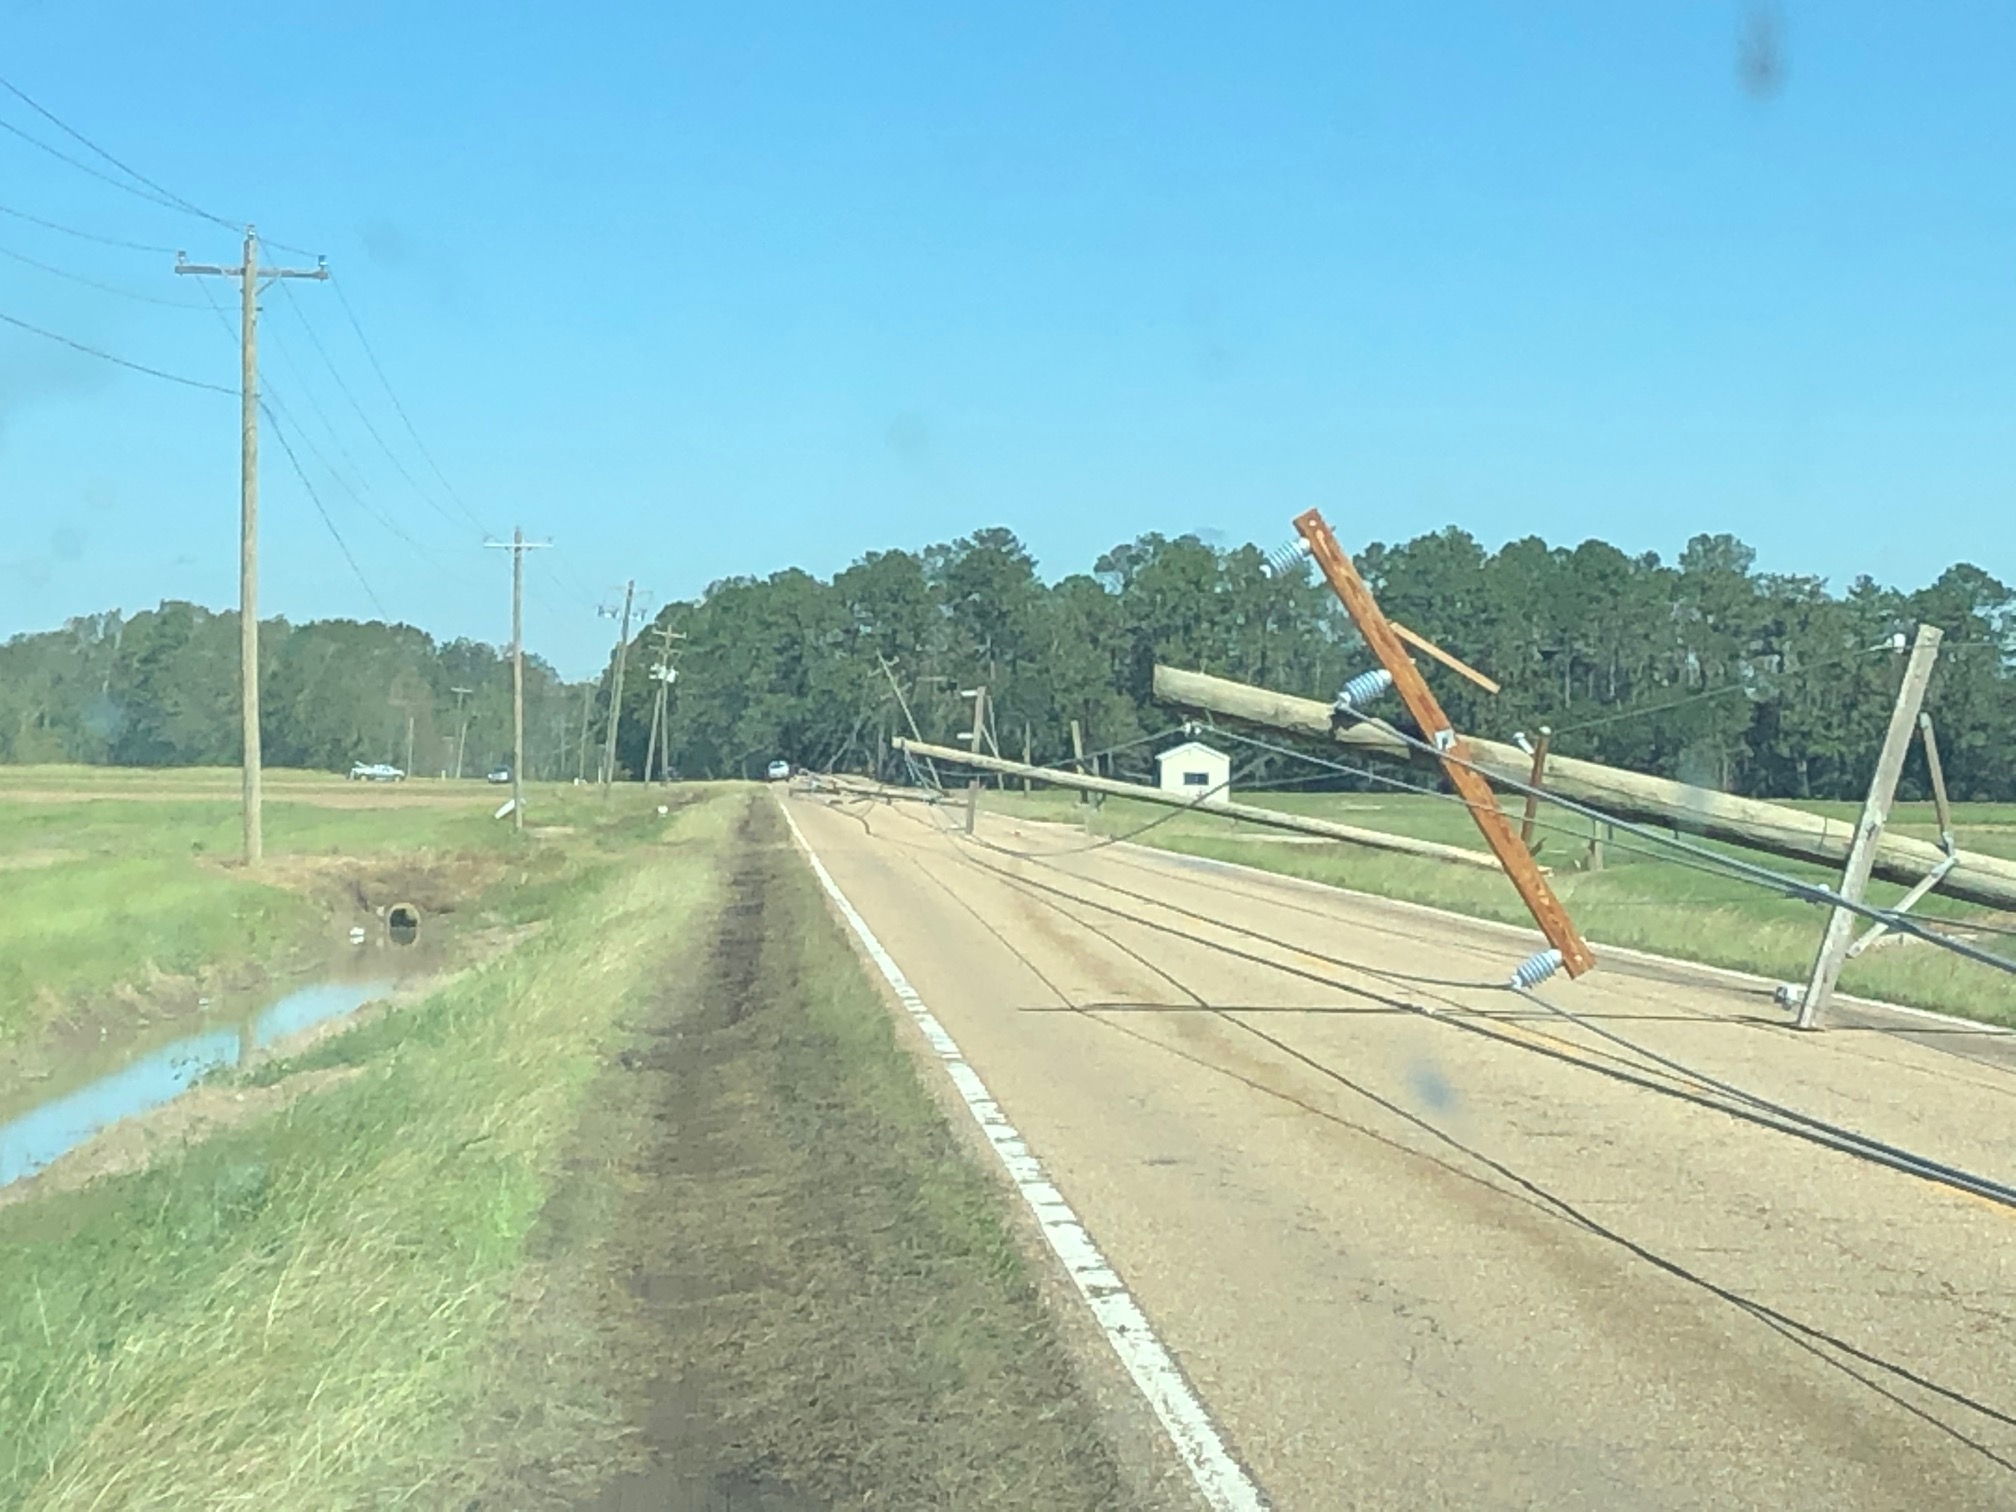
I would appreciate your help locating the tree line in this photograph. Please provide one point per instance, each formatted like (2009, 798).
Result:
(160, 688)
(1703, 668)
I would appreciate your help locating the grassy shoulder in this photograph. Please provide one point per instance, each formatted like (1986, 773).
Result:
(657, 1198)
(125, 904)
(1642, 901)
(286, 1315)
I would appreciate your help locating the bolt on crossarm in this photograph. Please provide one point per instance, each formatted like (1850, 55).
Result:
(1386, 644)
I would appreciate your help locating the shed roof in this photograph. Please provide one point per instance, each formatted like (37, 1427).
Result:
(1192, 748)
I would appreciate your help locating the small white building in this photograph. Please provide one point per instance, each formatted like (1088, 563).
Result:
(1195, 770)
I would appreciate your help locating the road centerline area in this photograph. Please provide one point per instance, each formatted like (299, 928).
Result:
(1476, 1256)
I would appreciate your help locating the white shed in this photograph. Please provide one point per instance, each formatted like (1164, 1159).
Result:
(1195, 770)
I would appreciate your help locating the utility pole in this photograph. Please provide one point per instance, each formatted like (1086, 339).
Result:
(587, 699)
(517, 546)
(249, 273)
(616, 698)
(462, 733)
(979, 697)
(1875, 812)
(663, 673)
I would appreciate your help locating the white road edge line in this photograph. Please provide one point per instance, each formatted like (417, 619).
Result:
(1220, 1478)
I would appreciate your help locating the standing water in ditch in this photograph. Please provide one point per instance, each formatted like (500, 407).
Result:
(32, 1137)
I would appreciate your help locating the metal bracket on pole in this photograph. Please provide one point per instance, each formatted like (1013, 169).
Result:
(1834, 945)
(1387, 645)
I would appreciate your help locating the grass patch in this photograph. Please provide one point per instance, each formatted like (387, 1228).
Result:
(107, 896)
(294, 1313)
(1635, 900)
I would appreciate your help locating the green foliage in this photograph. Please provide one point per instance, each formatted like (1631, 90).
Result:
(160, 689)
(1704, 668)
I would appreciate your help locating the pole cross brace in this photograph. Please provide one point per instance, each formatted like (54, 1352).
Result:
(1905, 904)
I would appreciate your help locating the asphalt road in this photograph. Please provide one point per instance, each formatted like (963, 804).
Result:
(1419, 1243)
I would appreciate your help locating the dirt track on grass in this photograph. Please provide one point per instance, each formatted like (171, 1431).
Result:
(793, 1287)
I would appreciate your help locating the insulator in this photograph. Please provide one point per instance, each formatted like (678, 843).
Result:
(1363, 688)
(1536, 968)
(1285, 559)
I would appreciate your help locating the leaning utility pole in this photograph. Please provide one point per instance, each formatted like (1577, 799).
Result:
(1875, 813)
(518, 546)
(616, 697)
(979, 696)
(248, 273)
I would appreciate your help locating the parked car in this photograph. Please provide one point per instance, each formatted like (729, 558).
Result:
(780, 771)
(499, 774)
(375, 771)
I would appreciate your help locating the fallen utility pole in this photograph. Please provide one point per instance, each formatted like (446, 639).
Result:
(1751, 822)
(1266, 817)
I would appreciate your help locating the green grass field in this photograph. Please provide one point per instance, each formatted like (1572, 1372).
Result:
(117, 880)
(1637, 900)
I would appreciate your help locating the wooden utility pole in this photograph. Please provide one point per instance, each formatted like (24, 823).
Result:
(1238, 812)
(616, 699)
(1774, 828)
(664, 674)
(1078, 756)
(1875, 812)
(249, 273)
(462, 733)
(1498, 833)
(518, 546)
(1533, 781)
(973, 783)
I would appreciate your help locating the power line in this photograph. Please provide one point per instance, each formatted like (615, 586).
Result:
(90, 236)
(103, 356)
(356, 497)
(92, 283)
(364, 341)
(316, 499)
(383, 446)
(159, 193)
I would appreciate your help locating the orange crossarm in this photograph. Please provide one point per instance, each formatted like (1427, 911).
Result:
(1414, 691)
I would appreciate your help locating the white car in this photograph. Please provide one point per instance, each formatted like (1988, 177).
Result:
(780, 771)
(375, 771)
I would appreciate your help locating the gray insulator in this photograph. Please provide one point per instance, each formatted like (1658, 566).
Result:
(1365, 687)
(1283, 560)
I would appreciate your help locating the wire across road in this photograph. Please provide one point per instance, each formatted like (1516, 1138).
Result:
(1416, 1243)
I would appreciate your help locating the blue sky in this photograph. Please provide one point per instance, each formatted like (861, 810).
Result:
(697, 291)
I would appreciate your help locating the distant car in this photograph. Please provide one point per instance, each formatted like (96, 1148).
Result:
(499, 774)
(375, 771)
(780, 771)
